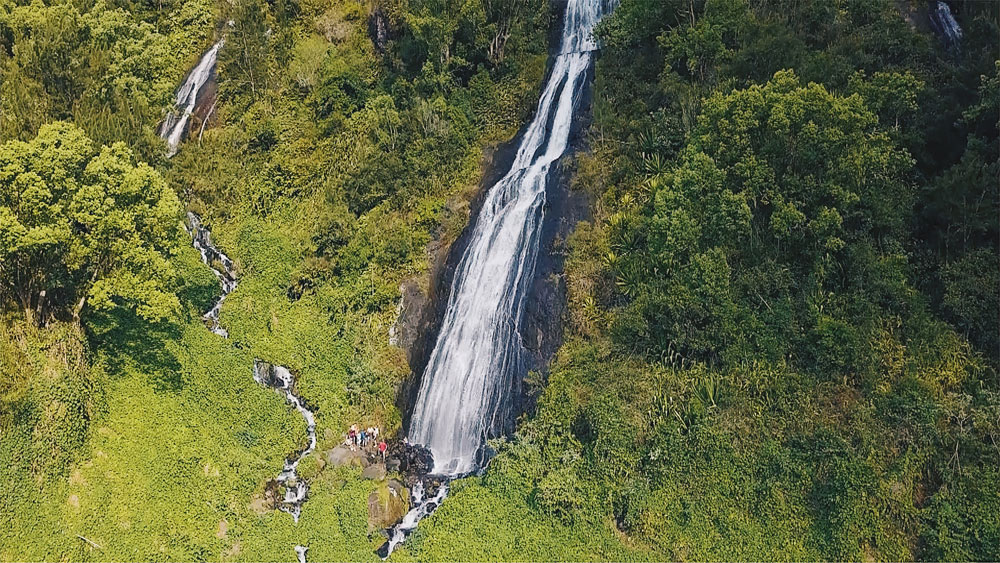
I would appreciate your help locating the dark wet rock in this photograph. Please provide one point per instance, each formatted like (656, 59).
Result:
(412, 317)
(409, 459)
(379, 30)
(387, 504)
(375, 471)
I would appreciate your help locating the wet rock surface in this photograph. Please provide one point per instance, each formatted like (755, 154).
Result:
(387, 504)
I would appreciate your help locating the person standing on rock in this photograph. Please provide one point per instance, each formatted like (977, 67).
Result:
(352, 436)
(381, 449)
(364, 438)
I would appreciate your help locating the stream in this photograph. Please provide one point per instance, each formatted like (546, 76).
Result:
(275, 377)
(278, 378)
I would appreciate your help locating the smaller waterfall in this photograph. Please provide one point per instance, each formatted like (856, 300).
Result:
(176, 123)
(945, 25)
(275, 377)
(282, 381)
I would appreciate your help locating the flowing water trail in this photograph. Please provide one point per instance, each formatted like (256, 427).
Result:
(282, 381)
(278, 378)
(219, 263)
(464, 393)
(275, 377)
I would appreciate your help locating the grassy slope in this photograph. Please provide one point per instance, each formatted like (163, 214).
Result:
(187, 440)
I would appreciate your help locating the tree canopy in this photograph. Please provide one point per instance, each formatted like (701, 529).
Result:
(84, 226)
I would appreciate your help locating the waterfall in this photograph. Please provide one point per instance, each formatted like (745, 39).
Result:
(175, 125)
(944, 23)
(463, 396)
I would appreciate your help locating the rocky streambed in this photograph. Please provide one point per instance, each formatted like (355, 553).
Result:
(288, 487)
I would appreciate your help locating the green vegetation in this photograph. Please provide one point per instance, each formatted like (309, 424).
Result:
(79, 227)
(758, 364)
(783, 331)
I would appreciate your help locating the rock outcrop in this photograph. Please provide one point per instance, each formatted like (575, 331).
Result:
(387, 504)
(342, 455)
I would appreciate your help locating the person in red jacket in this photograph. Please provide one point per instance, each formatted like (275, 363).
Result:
(381, 449)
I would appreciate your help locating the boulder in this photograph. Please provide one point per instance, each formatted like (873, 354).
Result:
(375, 471)
(342, 455)
(392, 465)
(410, 459)
(387, 504)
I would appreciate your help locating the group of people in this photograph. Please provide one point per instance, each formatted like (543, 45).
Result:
(366, 438)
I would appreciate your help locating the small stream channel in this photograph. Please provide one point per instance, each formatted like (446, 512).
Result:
(279, 378)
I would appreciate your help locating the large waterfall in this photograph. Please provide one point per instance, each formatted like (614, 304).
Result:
(463, 396)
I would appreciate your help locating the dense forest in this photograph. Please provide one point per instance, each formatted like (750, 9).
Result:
(782, 326)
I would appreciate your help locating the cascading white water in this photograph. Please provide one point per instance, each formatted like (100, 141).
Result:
(944, 22)
(201, 238)
(478, 352)
(296, 489)
(421, 508)
(175, 124)
(275, 377)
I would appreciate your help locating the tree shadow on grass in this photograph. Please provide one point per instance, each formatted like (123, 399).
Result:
(127, 342)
